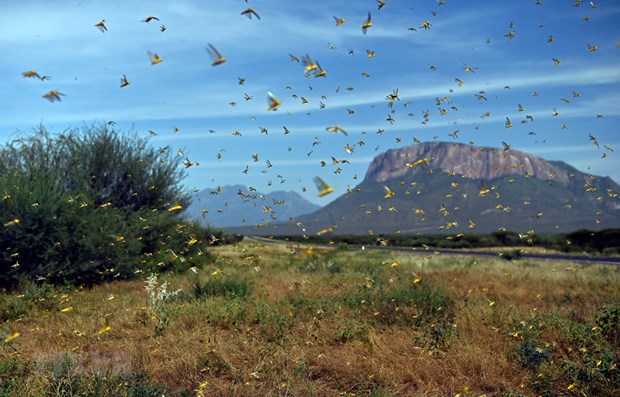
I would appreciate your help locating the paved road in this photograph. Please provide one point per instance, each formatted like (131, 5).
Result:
(580, 259)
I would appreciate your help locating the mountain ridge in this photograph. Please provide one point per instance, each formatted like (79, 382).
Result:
(236, 205)
(447, 188)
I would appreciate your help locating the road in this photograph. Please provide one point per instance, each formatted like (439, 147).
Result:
(579, 259)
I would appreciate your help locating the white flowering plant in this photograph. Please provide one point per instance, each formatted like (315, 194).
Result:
(157, 297)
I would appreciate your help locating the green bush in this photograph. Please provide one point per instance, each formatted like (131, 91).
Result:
(532, 355)
(226, 313)
(228, 286)
(83, 206)
(273, 321)
(609, 322)
(11, 370)
(585, 355)
(12, 308)
(512, 255)
(350, 330)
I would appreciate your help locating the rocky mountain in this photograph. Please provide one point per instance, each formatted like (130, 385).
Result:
(236, 205)
(469, 161)
(453, 188)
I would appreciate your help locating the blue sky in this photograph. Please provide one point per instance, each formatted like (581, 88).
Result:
(59, 39)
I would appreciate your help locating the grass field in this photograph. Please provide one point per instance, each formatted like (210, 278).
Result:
(286, 320)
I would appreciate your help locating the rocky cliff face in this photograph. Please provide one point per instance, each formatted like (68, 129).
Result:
(470, 161)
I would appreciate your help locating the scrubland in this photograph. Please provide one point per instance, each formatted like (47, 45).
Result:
(285, 319)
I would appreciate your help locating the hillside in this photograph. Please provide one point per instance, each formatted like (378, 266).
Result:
(455, 188)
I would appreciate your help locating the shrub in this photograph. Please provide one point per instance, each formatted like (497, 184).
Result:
(82, 206)
(11, 370)
(609, 321)
(531, 355)
(273, 321)
(512, 255)
(226, 312)
(228, 286)
(351, 330)
(12, 308)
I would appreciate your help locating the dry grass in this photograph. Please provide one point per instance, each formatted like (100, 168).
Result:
(277, 320)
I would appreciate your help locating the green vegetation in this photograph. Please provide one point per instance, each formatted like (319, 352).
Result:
(89, 205)
(221, 286)
(604, 242)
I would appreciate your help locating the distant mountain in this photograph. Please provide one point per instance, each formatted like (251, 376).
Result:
(235, 205)
(454, 188)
